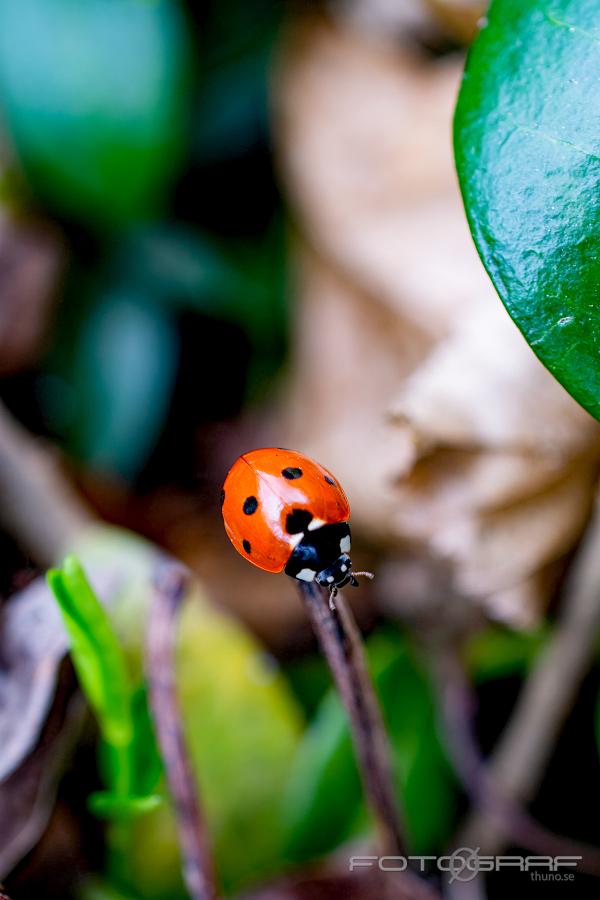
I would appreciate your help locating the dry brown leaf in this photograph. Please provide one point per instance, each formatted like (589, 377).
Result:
(410, 380)
(482, 386)
(460, 18)
(350, 353)
(365, 146)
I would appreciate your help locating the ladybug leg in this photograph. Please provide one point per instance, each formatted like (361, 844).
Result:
(332, 595)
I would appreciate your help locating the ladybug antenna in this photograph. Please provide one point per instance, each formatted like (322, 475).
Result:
(368, 575)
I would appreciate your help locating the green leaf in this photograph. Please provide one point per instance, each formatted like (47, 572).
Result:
(323, 797)
(146, 761)
(94, 98)
(98, 889)
(95, 651)
(527, 151)
(324, 803)
(242, 282)
(107, 805)
(122, 375)
(497, 652)
(185, 268)
(236, 46)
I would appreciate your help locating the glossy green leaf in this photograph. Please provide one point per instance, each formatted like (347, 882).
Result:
(94, 96)
(527, 150)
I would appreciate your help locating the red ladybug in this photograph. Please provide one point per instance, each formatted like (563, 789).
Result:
(282, 511)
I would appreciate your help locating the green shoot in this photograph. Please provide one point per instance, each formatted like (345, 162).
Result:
(101, 668)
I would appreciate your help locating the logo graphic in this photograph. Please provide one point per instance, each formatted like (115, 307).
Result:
(463, 864)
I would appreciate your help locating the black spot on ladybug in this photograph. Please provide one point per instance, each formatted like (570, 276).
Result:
(298, 520)
(291, 473)
(247, 546)
(250, 505)
(329, 480)
(222, 497)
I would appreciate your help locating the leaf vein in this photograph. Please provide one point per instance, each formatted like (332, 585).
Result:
(560, 23)
(556, 140)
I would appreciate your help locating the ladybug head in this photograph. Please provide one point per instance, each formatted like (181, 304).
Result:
(338, 574)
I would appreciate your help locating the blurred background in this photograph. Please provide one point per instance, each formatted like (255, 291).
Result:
(227, 225)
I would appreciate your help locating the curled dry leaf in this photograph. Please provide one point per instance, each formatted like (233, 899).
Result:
(38, 708)
(27, 795)
(410, 381)
(364, 132)
(40, 714)
(32, 646)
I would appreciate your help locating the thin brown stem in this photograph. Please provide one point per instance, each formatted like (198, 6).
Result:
(39, 506)
(341, 643)
(527, 743)
(514, 822)
(198, 870)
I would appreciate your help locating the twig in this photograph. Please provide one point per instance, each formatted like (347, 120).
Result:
(198, 871)
(341, 643)
(39, 507)
(526, 745)
(457, 705)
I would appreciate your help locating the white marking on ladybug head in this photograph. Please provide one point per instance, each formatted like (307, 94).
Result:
(306, 575)
(316, 523)
(345, 544)
(344, 568)
(330, 579)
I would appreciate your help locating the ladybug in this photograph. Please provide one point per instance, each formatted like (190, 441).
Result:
(284, 511)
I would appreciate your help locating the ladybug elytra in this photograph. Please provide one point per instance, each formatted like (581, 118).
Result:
(284, 511)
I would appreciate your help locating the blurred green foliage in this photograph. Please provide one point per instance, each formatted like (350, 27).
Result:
(242, 727)
(141, 128)
(323, 806)
(120, 369)
(324, 803)
(497, 652)
(96, 98)
(241, 721)
(276, 792)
